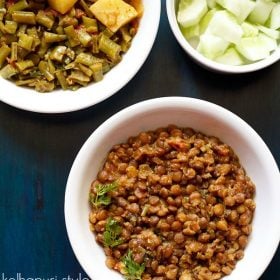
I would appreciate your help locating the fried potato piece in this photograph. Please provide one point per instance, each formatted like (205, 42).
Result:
(113, 13)
(62, 6)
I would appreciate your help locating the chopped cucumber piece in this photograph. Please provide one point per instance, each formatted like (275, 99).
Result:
(194, 41)
(212, 46)
(205, 20)
(256, 48)
(274, 21)
(270, 32)
(211, 3)
(249, 30)
(269, 42)
(230, 57)
(190, 32)
(261, 12)
(240, 8)
(224, 25)
(191, 11)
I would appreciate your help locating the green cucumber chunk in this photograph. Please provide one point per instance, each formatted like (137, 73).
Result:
(191, 11)
(240, 8)
(230, 57)
(212, 46)
(261, 12)
(224, 25)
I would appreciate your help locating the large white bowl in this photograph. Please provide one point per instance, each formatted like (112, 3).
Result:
(207, 63)
(185, 112)
(61, 101)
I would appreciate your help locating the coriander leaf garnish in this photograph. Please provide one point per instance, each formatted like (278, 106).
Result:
(133, 269)
(101, 197)
(112, 233)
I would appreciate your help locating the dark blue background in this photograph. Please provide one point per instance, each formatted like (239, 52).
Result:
(37, 151)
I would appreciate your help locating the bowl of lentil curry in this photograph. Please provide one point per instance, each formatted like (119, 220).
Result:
(75, 52)
(190, 200)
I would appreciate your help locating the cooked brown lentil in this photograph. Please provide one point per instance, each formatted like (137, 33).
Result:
(183, 205)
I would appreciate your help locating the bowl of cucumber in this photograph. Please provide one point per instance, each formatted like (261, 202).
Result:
(227, 36)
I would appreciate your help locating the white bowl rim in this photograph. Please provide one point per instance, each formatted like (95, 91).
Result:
(165, 102)
(60, 101)
(208, 63)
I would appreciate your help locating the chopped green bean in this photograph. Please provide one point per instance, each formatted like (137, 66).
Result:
(26, 82)
(25, 41)
(18, 6)
(22, 29)
(84, 37)
(14, 53)
(44, 68)
(107, 32)
(43, 48)
(22, 53)
(44, 19)
(125, 34)
(2, 28)
(51, 66)
(97, 70)
(44, 86)
(54, 38)
(86, 8)
(72, 13)
(60, 30)
(33, 33)
(22, 65)
(90, 24)
(2, 4)
(31, 72)
(61, 79)
(11, 27)
(85, 69)
(2, 13)
(77, 77)
(68, 21)
(8, 71)
(58, 53)
(70, 66)
(24, 17)
(70, 53)
(72, 36)
(85, 58)
(110, 48)
(125, 46)
(106, 66)
(4, 53)
(95, 44)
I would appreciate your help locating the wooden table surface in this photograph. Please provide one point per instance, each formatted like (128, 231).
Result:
(37, 151)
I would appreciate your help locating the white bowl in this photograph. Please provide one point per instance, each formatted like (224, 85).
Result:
(185, 112)
(207, 63)
(61, 101)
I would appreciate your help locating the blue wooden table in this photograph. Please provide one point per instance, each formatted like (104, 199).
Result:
(37, 151)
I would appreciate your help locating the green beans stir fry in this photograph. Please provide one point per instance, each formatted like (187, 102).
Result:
(43, 49)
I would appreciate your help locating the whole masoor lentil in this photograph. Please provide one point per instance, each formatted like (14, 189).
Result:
(183, 203)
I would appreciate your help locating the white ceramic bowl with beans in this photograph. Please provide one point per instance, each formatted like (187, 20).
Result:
(171, 6)
(60, 101)
(203, 116)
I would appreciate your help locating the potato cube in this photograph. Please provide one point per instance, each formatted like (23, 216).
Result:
(62, 6)
(113, 13)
